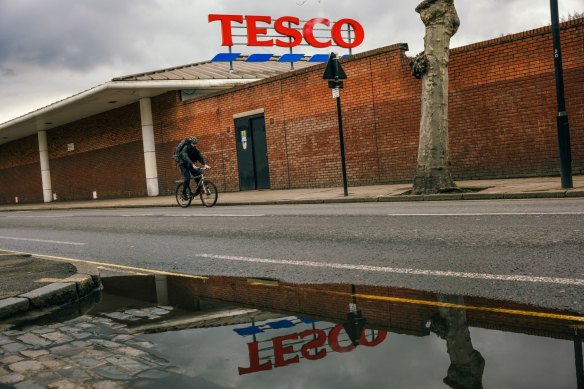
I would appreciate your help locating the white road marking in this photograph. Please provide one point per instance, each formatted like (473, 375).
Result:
(133, 215)
(217, 215)
(340, 215)
(488, 214)
(188, 215)
(37, 216)
(43, 240)
(263, 215)
(418, 272)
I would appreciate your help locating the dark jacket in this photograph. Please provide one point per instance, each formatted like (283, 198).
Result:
(190, 154)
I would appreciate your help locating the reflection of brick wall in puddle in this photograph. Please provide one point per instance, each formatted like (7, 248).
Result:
(326, 302)
(526, 324)
(134, 287)
(331, 302)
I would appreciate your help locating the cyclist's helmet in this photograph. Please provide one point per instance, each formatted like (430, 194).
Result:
(193, 140)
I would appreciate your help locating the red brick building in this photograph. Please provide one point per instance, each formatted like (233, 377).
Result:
(117, 139)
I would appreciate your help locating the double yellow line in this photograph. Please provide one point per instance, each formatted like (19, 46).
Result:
(130, 269)
(516, 312)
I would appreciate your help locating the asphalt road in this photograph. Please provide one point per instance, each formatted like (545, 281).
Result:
(527, 251)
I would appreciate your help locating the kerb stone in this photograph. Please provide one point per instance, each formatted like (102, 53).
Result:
(85, 284)
(54, 294)
(13, 305)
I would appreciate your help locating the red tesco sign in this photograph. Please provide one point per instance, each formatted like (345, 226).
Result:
(283, 26)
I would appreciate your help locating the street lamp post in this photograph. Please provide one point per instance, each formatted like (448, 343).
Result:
(562, 118)
(342, 143)
(335, 74)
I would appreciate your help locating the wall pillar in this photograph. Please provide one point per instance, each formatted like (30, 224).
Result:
(45, 168)
(149, 147)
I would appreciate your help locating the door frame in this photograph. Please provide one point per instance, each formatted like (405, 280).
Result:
(249, 117)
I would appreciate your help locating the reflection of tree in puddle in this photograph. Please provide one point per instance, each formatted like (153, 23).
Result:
(466, 363)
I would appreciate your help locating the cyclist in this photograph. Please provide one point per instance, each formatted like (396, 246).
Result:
(188, 156)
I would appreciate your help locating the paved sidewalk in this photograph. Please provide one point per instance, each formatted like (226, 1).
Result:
(536, 187)
(28, 283)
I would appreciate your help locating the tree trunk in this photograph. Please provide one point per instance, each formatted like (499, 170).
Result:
(433, 167)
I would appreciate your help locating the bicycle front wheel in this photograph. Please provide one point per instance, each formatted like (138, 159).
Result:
(209, 194)
(182, 200)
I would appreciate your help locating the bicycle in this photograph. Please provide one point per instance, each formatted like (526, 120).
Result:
(207, 192)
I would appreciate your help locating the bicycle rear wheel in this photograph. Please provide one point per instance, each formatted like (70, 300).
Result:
(180, 199)
(209, 194)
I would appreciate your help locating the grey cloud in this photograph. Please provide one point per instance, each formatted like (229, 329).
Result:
(69, 34)
(93, 41)
(6, 72)
(148, 34)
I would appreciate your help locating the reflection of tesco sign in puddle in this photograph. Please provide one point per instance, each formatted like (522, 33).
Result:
(313, 349)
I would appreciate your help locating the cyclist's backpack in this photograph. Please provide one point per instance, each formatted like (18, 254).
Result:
(179, 147)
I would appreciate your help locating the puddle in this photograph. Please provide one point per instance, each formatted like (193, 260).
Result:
(219, 332)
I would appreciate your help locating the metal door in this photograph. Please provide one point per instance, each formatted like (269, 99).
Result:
(252, 153)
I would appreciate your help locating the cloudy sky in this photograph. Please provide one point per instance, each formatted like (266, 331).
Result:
(52, 49)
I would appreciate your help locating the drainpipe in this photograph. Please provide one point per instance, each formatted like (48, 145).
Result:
(45, 169)
(149, 146)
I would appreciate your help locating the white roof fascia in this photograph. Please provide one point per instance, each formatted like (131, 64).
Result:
(161, 85)
(180, 84)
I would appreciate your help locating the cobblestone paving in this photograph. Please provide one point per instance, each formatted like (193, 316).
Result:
(86, 352)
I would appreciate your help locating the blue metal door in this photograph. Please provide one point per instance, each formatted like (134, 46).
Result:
(252, 153)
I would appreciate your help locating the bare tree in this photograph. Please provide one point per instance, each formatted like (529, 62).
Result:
(433, 167)
(572, 16)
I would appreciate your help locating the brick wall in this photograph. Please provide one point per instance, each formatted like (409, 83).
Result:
(20, 171)
(502, 115)
(503, 105)
(502, 124)
(107, 158)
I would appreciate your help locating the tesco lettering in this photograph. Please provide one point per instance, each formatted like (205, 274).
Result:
(285, 355)
(256, 29)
